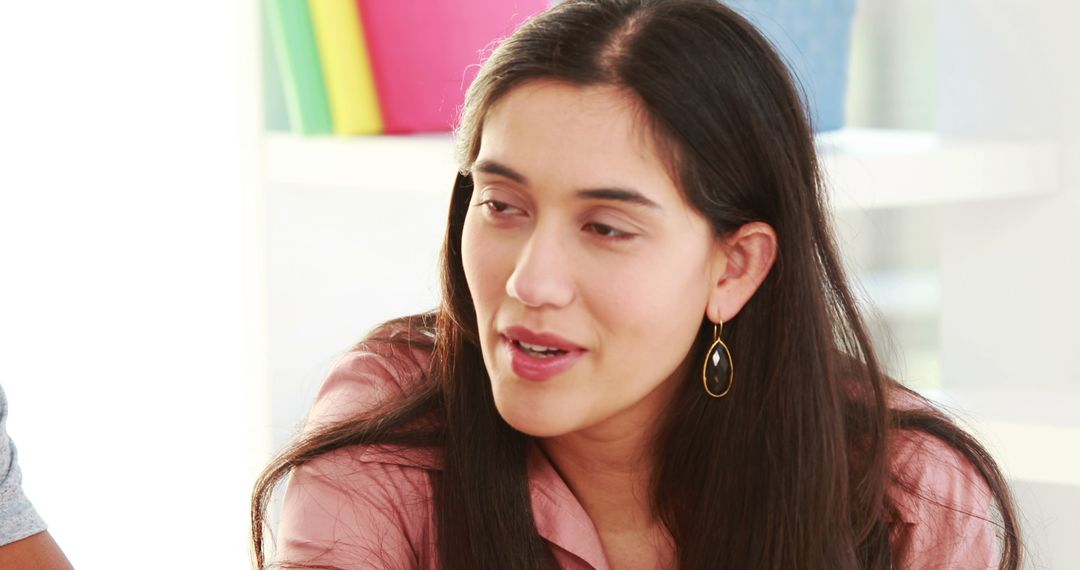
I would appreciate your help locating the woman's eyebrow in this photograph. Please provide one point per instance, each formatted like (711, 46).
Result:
(492, 167)
(619, 195)
(615, 194)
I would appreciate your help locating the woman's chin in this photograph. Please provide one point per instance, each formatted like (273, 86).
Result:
(532, 419)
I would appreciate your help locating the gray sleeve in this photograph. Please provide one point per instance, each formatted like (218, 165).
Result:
(18, 519)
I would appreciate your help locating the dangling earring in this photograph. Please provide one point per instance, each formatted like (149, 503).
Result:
(718, 373)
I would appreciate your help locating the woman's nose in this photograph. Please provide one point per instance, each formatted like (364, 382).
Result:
(542, 274)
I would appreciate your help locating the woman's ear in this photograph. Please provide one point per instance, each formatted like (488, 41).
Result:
(741, 262)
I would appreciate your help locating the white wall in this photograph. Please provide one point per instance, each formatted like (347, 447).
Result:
(339, 262)
(128, 296)
(1011, 269)
(1008, 69)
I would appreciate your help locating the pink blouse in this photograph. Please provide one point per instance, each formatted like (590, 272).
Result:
(370, 506)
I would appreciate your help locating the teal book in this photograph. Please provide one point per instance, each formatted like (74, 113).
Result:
(275, 111)
(297, 57)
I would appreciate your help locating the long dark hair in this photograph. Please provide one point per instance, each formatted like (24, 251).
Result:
(791, 470)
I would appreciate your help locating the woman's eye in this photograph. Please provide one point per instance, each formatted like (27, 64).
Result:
(497, 207)
(609, 232)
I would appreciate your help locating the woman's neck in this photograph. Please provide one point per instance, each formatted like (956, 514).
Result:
(609, 467)
(610, 474)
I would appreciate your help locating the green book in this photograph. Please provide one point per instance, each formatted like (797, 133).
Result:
(297, 59)
(275, 112)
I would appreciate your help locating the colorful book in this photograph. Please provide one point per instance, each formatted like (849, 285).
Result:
(298, 61)
(350, 86)
(424, 54)
(275, 110)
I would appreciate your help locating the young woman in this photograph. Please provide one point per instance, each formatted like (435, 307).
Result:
(647, 354)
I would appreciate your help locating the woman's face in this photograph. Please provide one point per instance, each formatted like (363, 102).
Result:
(577, 239)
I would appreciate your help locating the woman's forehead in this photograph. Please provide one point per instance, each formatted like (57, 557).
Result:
(593, 136)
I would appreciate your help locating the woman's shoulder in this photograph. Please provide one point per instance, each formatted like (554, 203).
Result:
(353, 507)
(388, 363)
(928, 474)
(370, 374)
(368, 377)
(944, 505)
(365, 505)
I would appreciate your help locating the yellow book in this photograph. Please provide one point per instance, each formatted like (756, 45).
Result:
(350, 86)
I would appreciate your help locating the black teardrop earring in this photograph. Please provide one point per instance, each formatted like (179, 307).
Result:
(718, 373)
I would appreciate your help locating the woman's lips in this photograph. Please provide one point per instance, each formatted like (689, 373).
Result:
(538, 368)
(523, 334)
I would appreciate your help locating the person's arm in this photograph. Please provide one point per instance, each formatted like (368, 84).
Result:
(24, 542)
(345, 513)
(35, 552)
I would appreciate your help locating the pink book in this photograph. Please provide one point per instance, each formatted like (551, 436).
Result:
(424, 54)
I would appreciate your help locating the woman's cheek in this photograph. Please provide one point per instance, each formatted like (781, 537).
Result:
(470, 245)
(482, 256)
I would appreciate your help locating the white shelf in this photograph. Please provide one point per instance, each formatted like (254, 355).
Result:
(864, 169)
(400, 163)
(1034, 434)
(868, 169)
(909, 294)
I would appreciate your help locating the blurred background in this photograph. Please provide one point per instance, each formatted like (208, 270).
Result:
(181, 264)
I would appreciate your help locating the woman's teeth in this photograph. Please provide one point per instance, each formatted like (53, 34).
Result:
(541, 351)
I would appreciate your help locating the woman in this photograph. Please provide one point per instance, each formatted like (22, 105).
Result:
(647, 355)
